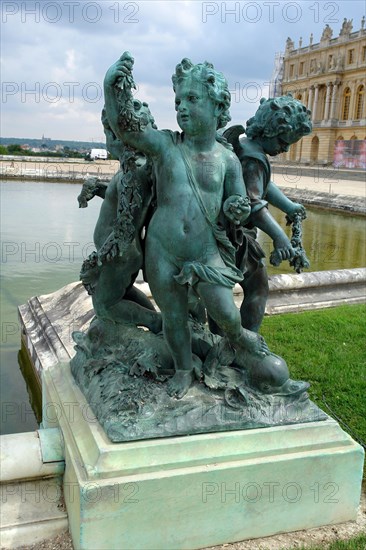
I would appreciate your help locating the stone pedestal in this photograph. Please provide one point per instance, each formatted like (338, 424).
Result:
(196, 491)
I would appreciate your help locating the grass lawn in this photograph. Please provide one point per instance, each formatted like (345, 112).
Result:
(328, 349)
(357, 543)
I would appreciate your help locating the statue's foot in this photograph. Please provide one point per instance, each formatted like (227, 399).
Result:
(254, 343)
(180, 383)
(263, 347)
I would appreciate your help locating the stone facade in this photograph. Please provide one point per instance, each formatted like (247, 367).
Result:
(329, 78)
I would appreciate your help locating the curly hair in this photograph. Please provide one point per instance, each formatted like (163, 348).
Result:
(280, 115)
(214, 81)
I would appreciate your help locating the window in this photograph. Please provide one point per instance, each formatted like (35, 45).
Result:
(292, 70)
(314, 149)
(346, 103)
(363, 53)
(360, 96)
(323, 101)
(330, 62)
(301, 68)
(351, 56)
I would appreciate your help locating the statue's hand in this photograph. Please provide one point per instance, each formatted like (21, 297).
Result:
(120, 72)
(296, 208)
(282, 250)
(237, 209)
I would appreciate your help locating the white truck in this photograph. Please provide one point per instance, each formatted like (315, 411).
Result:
(97, 154)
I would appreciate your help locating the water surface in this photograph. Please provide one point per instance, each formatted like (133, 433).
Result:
(45, 237)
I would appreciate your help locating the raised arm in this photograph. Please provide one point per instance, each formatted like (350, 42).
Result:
(128, 118)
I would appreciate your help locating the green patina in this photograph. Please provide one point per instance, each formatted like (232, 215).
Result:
(179, 210)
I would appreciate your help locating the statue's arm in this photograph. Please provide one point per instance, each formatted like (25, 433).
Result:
(236, 203)
(264, 220)
(91, 187)
(260, 216)
(278, 199)
(104, 242)
(131, 126)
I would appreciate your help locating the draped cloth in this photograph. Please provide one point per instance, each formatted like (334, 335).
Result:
(250, 253)
(193, 272)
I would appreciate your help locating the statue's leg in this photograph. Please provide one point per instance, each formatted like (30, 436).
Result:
(136, 295)
(109, 302)
(196, 308)
(219, 302)
(172, 299)
(255, 288)
(129, 312)
(221, 308)
(214, 327)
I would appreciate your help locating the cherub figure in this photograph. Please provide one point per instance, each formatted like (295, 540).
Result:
(110, 272)
(275, 126)
(199, 189)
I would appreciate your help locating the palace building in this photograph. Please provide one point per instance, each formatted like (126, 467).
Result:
(329, 78)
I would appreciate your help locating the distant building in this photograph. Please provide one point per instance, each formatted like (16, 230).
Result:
(329, 78)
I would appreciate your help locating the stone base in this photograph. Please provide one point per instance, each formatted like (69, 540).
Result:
(196, 491)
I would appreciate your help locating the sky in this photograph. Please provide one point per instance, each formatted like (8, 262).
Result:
(54, 55)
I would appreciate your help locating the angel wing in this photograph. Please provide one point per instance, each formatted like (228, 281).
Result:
(232, 135)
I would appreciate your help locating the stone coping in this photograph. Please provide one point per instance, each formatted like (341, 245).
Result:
(48, 320)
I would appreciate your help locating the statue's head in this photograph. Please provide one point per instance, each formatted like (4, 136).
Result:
(214, 82)
(280, 116)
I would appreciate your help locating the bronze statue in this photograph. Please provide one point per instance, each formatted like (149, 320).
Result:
(110, 272)
(275, 126)
(179, 210)
(184, 232)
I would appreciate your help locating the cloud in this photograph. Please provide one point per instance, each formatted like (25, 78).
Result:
(71, 44)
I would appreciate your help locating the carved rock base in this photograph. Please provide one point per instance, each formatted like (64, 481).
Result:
(124, 371)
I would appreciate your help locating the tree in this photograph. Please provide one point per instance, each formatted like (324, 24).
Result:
(14, 149)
